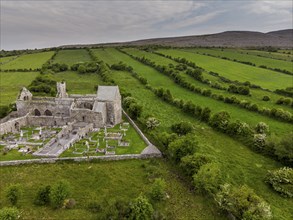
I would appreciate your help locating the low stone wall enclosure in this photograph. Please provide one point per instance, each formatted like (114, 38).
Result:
(149, 152)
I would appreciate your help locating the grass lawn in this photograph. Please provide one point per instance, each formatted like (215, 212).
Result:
(239, 164)
(70, 57)
(12, 82)
(79, 83)
(257, 60)
(102, 181)
(235, 71)
(28, 61)
(274, 55)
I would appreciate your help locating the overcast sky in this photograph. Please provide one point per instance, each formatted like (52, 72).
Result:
(46, 23)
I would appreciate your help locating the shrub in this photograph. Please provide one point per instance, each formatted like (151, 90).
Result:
(191, 164)
(43, 195)
(140, 208)
(4, 110)
(152, 123)
(205, 114)
(158, 190)
(266, 98)
(59, 192)
(10, 213)
(239, 128)
(134, 110)
(284, 149)
(282, 181)
(182, 128)
(243, 203)
(208, 179)
(182, 146)
(259, 141)
(13, 193)
(220, 120)
(262, 128)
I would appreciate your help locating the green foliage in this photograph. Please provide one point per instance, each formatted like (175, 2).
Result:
(132, 107)
(59, 192)
(4, 110)
(121, 66)
(243, 203)
(43, 195)
(262, 128)
(282, 181)
(141, 209)
(284, 149)
(266, 98)
(181, 147)
(182, 128)
(239, 128)
(43, 85)
(158, 190)
(10, 213)
(208, 179)
(81, 69)
(152, 123)
(220, 120)
(14, 193)
(191, 164)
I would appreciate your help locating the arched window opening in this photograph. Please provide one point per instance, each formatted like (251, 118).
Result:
(48, 113)
(37, 112)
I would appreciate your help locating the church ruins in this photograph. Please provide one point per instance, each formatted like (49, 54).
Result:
(101, 109)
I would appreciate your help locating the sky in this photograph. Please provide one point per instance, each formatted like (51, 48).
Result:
(48, 23)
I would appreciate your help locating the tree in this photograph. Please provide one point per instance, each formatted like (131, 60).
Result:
(205, 114)
(208, 178)
(141, 209)
(152, 123)
(59, 192)
(284, 149)
(134, 110)
(13, 193)
(81, 69)
(158, 190)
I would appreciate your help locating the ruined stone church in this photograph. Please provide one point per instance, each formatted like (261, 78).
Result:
(101, 109)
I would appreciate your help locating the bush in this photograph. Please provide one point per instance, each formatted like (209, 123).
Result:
(220, 120)
(13, 193)
(266, 98)
(4, 110)
(69, 203)
(152, 123)
(208, 179)
(134, 110)
(43, 195)
(262, 128)
(282, 181)
(181, 147)
(191, 164)
(239, 128)
(259, 141)
(158, 190)
(284, 149)
(182, 128)
(243, 203)
(59, 192)
(10, 213)
(141, 209)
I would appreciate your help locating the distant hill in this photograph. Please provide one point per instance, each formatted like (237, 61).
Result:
(281, 39)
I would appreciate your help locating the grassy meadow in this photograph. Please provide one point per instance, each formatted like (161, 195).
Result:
(99, 182)
(12, 82)
(71, 57)
(127, 179)
(28, 61)
(267, 79)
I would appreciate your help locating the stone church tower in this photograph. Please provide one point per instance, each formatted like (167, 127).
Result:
(61, 90)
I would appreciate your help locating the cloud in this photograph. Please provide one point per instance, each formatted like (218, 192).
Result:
(30, 24)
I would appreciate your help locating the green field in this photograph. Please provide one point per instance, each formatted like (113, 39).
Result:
(127, 179)
(28, 61)
(103, 181)
(159, 80)
(70, 57)
(257, 60)
(236, 71)
(4, 60)
(12, 82)
(274, 55)
(79, 83)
